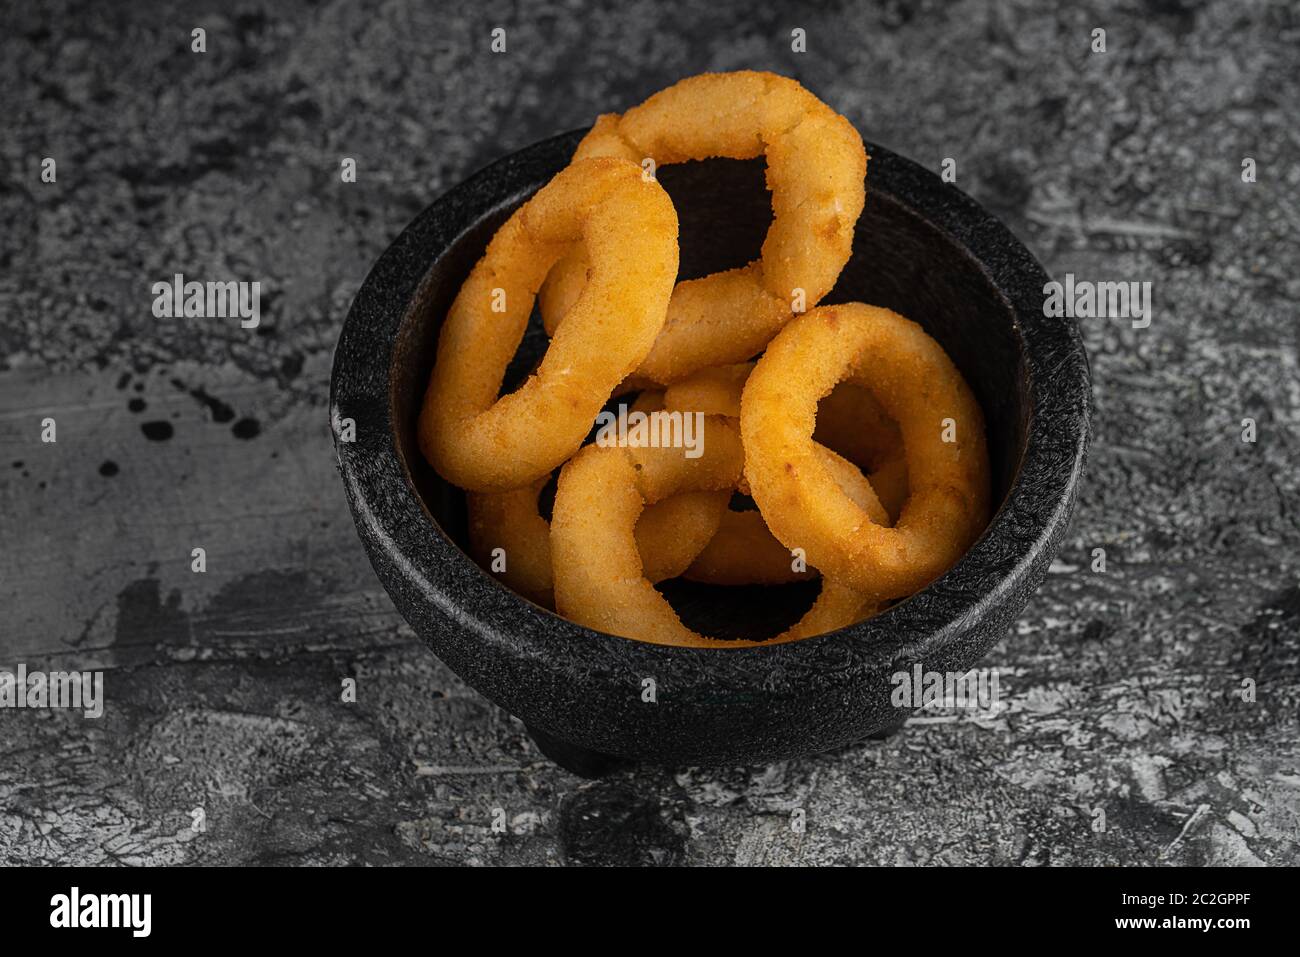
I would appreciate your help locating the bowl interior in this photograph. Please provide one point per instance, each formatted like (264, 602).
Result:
(900, 260)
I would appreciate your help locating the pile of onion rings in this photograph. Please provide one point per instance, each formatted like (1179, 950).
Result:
(851, 450)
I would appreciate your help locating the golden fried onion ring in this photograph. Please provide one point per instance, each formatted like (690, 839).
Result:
(669, 534)
(920, 388)
(599, 577)
(744, 551)
(816, 169)
(851, 422)
(628, 229)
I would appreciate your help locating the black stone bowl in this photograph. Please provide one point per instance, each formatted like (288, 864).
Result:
(922, 248)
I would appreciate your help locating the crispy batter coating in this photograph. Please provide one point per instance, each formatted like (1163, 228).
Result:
(744, 551)
(713, 391)
(943, 435)
(511, 522)
(669, 536)
(628, 229)
(851, 422)
(600, 580)
(816, 170)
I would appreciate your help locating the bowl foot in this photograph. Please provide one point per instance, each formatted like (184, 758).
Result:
(574, 758)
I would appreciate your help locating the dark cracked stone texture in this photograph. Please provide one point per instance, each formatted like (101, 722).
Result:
(223, 688)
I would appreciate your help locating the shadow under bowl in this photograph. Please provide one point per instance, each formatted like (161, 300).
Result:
(922, 248)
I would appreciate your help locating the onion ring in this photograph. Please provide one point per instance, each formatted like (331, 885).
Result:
(510, 521)
(713, 391)
(628, 229)
(851, 422)
(744, 551)
(669, 534)
(816, 170)
(921, 389)
(599, 578)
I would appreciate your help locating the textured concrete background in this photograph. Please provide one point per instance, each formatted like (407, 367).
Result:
(223, 688)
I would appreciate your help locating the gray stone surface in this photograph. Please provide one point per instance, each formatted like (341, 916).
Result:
(223, 688)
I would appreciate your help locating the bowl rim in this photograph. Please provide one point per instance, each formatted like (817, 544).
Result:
(394, 520)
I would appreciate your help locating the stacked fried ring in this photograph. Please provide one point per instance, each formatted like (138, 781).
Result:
(853, 433)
